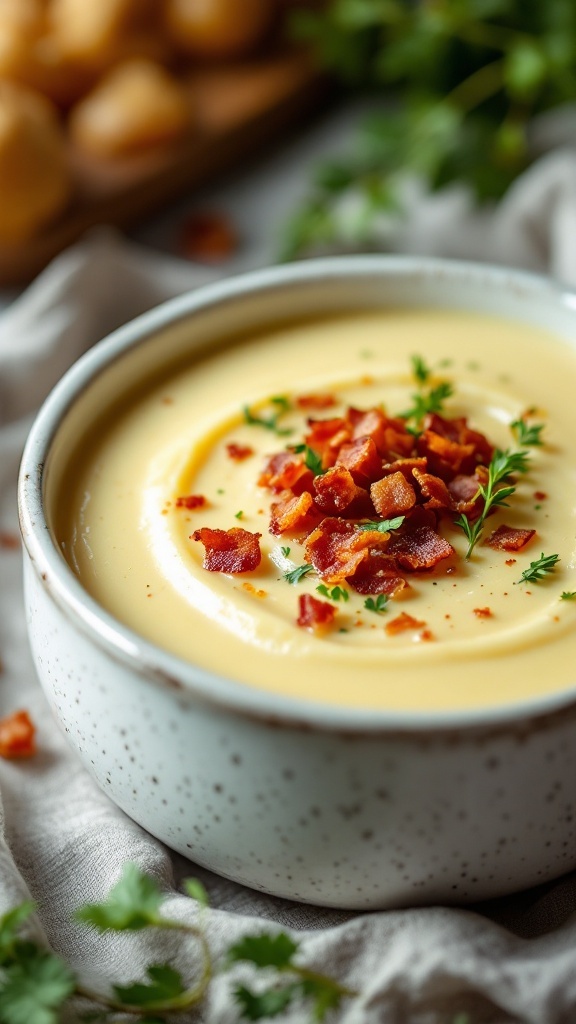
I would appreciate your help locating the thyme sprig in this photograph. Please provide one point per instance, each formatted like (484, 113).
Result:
(527, 433)
(502, 465)
(538, 569)
(425, 402)
(281, 405)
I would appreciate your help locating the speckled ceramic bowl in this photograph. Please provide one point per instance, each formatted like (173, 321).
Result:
(321, 804)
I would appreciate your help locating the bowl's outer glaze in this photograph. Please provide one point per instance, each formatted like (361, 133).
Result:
(315, 804)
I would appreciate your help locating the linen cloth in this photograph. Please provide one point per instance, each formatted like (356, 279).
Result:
(63, 842)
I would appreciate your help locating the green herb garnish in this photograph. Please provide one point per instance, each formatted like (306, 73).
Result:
(297, 574)
(36, 986)
(239, 515)
(568, 595)
(383, 525)
(537, 570)
(527, 434)
(428, 402)
(379, 605)
(335, 594)
(312, 460)
(502, 465)
(285, 552)
(270, 422)
(420, 370)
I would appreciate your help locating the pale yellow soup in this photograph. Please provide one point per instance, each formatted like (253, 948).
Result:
(131, 546)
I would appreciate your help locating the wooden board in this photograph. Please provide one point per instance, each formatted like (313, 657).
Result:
(239, 109)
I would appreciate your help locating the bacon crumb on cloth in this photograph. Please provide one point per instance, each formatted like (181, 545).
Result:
(17, 736)
(314, 614)
(508, 538)
(9, 541)
(230, 551)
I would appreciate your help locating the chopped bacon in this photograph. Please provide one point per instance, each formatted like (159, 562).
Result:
(405, 466)
(17, 736)
(9, 541)
(540, 495)
(483, 613)
(314, 614)
(434, 490)
(291, 512)
(361, 458)
(378, 574)
(239, 452)
(208, 237)
(508, 538)
(315, 401)
(401, 623)
(336, 490)
(419, 548)
(445, 457)
(392, 495)
(457, 430)
(464, 488)
(285, 471)
(336, 549)
(229, 551)
(191, 501)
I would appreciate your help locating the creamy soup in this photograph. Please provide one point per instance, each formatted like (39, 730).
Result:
(188, 454)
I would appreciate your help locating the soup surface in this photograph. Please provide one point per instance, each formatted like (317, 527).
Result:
(187, 456)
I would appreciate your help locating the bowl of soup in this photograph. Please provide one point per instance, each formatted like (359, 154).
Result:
(301, 577)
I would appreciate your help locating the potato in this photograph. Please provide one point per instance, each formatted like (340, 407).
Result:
(218, 28)
(135, 106)
(86, 30)
(34, 179)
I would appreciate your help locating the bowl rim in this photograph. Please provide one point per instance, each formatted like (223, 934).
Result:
(168, 670)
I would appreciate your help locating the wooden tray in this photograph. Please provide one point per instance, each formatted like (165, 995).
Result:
(239, 109)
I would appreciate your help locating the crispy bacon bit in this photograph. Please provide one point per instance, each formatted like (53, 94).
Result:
(285, 471)
(250, 589)
(315, 401)
(191, 501)
(361, 458)
(393, 495)
(290, 512)
(405, 466)
(208, 238)
(336, 549)
(483, 613)
(511, 561)
(239, 452)
(336, 490)
(402, 623)
(445, 457)
(419, 548)
(17, 736)
(540, 495)
(507, 538)
(229, 551)
(378, 574)
(315, 614)
(427, 634)
(9, 541)
(434, 490)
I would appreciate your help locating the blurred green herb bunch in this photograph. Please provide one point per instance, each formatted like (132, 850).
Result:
(461, 80)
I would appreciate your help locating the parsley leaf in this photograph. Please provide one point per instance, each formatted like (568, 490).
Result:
(383, 525)
(285, 552)
(379, 605)
(538, 569)
(10, 924)
(336, 594)
(133, 903)
(196, 891)
(428, 402)
(312, 460)
(34, 988)
(165, 984)
(568, 595)
(297, 574)
(527, 434)
(269, 1003)
(264, 950)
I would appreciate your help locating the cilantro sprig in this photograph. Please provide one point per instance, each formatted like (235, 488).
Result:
(540, 568)
(502, 466)
(36, 986)
(281, 405)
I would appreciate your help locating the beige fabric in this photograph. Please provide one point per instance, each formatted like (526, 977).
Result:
(64, 843)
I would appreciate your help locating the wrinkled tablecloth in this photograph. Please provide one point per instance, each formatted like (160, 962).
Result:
(63, 842)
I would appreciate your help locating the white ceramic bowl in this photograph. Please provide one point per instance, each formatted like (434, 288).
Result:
(327, 805)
